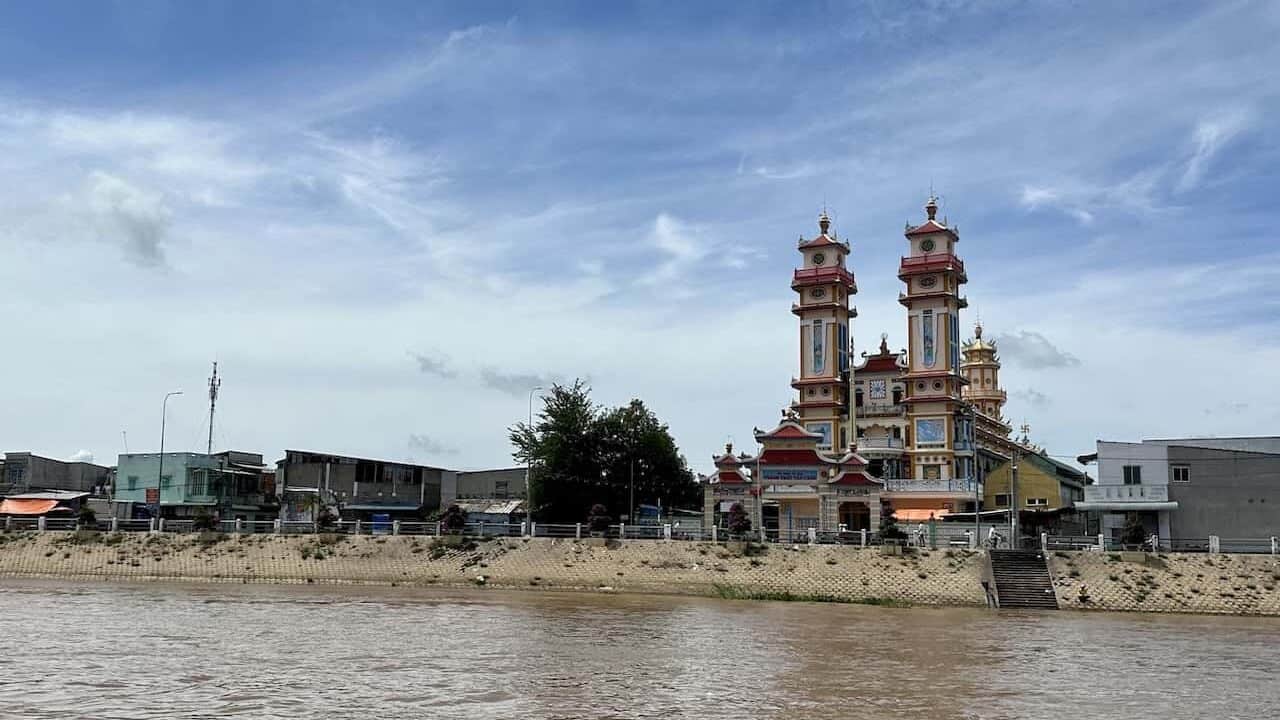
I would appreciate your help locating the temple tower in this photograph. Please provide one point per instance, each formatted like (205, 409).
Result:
(940, 439)
(981, 369)
(824, 287)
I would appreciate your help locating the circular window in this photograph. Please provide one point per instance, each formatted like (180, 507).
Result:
(928, 281)
(826, 391)
(937, 385)
(819, 293)
(819, 258)
(919, 386)
(812, 392)
(927, 245)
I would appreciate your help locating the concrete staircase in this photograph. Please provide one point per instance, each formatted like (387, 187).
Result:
(1022, 579)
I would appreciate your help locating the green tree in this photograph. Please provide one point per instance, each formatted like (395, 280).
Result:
(581, 455)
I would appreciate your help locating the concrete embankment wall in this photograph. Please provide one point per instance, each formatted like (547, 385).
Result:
(834, 573)
(1172, 582)
(1197, 583)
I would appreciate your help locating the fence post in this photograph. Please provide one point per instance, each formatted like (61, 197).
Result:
(40, 524)
(622, 531)
(480, 531)
(1044, 542)
(813, 535)
(973, 540)
(437, 528)
(666, 532)
(1102, 542)
(577, 531)
(1155, 543)
(1215, 544)
(524, 528)
(1275, 545)
(8, 522)
(395, 527)
(277, 526)
(239, 526)
(115, 524)
(715, 535)
(863, 539)
(160, 524)
(533, 529)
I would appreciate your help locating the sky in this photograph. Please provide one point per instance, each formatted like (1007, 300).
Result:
(387, 222)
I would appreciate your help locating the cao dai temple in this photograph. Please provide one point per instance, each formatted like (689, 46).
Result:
(908, 433)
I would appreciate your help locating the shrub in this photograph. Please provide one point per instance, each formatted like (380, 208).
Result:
(738, 522)
(453, 520)
(326, 519)
(598, 519)
(203, 521)
(87, 519)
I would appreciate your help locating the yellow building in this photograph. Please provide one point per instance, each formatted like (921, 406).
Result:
(1045, 488)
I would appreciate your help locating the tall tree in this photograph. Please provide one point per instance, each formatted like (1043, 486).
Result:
(581, 455)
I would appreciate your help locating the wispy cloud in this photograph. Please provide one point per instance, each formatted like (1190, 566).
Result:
(514, 384)
(429, 445)
(137, 219)
(433, 365)
(1209, 138)
(1032, 397)
(1034, 351)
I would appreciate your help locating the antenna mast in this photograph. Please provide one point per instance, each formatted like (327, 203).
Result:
(214, 383)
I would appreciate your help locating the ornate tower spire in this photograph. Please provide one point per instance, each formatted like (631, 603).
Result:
(940, 435)
(981, 368)
(824, 287)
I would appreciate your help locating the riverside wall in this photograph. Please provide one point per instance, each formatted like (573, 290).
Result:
(801, 572)
(1194, 583)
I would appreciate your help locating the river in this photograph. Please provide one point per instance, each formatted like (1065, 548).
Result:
(256, 651)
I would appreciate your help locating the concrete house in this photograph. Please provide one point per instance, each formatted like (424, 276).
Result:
(1187, 489)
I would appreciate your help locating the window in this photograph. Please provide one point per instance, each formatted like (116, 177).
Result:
(500, 488)
(1037, 502)
(1181, 473)
(197, 482)
(165, 480)
(1002, 500)
(133, 482)
(1132, 474)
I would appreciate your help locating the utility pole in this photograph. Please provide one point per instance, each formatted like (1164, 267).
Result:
(214, 384)
(164, 415)
(528, 465)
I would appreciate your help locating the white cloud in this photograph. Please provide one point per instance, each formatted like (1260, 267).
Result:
(1209, 138)
(138, 219)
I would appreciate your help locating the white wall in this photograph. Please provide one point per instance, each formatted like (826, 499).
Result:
(1113, 456)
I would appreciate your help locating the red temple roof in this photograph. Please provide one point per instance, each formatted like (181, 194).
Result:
(788, 430)
(930, 226)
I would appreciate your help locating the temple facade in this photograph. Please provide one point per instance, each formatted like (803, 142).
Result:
(906, 433)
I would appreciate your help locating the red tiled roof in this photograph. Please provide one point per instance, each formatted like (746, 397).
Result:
(729, 477)
(823, 240)
(776, 456)
(789, 431)
(880, 363)
(929, 226)
(854, 478)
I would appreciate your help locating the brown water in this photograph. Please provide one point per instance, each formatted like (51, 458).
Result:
(130, 651)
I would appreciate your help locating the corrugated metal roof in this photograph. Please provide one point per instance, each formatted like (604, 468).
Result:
(492, 507)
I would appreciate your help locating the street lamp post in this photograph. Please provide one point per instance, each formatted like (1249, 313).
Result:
(164, 415)
(528, 480)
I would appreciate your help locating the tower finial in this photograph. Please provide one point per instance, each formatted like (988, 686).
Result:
(931, 207)
(977, 330)
(824, 222)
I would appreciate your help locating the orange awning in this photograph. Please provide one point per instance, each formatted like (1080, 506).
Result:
(27, 507)
(917, 514)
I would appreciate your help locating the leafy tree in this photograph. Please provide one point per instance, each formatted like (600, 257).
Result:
(739, 522)
(581, 455)
(326, 519)
(889, 529)
(453, 519)
(87, 519)
(599, 520)
(203, 521)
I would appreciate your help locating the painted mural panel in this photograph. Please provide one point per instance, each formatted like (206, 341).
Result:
(931, 431)
(823, 429)
(818, 340)
(930, 351)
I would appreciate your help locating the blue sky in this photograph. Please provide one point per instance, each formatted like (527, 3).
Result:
(388, 222)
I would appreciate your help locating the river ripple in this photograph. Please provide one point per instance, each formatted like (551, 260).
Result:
(130, 652)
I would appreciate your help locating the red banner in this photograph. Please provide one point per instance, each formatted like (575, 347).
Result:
(153, 496)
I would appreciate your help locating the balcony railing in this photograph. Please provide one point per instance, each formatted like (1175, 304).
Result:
(1126, 493)
(881, 409)
(821, 274)
(941, 260)
(880, 442)
(966, 486)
